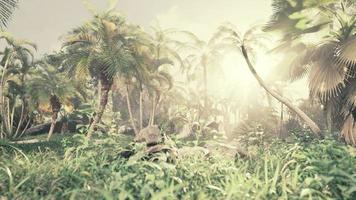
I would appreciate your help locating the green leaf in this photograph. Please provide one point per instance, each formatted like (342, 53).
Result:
(306, 192)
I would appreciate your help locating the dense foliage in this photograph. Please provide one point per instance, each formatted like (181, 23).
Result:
(75, 168)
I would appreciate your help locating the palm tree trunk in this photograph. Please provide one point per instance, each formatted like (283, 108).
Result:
(56, 107)
(2, 98)
(312, 125)
(269, 100)
(155, 101)
(328, 116)
(141, 109)
(151, 121)
(105, 83)
(129, 109)
(53, 124)
(205, 71)
(281, 120)
(22, 118)
(23, 107)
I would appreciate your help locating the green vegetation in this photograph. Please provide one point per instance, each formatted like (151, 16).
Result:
(120, 112)
(75, 168)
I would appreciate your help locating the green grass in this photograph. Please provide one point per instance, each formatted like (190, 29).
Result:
(74, 168)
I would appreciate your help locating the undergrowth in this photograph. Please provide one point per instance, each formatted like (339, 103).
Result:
(75, 168)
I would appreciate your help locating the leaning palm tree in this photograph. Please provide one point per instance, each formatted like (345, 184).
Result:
(7, 7)
(329, 62)
(96, 50)
(246, 45)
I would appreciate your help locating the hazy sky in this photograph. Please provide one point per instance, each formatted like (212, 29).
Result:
(44, 21)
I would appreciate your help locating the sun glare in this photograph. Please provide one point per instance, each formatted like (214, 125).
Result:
(236, 77)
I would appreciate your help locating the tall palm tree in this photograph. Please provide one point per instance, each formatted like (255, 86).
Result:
(203, 55)
(164, 51)
(329, 61)
(148, 70)
(138, 45)
(151, 53)
(7, 7)
(96, 49)
(246, 45)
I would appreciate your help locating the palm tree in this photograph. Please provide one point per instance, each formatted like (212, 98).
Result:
(6, 9)
(147, 71)
(329, 62)
(128, 101)
(48, 86)
(21, 53)
(163, 47)
(161, 82)
(96, 49)
(17, 60)
(165, 53)
(245, 45)
(138, 45)
(204, 54)
(150, 54)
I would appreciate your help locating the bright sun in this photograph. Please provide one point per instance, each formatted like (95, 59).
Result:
(236, 77)
(237, 80)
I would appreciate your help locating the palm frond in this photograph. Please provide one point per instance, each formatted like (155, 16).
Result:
(326, 78)
(90, 6)
(112, 4)
(298, 71)
(229, 31)
(47, 80)
(301, 63)
(7, 7)
(346, 52)
(164, 78)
